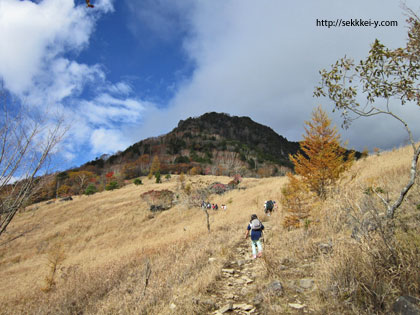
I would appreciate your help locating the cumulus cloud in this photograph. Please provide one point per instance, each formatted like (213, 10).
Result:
(36, 33)
(38, 65)
(108, 140)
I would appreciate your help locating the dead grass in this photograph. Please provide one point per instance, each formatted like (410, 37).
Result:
(111, 239)
(107, 237)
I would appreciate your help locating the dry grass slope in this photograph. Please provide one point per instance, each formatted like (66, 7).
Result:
(108, 240)
(118, 258)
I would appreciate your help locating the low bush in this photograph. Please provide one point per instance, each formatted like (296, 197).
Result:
(218, 188)
(112, 186)
(157, 176)
(90, 190)
(159, 199)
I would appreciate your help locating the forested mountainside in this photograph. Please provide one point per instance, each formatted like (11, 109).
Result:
(214, 143)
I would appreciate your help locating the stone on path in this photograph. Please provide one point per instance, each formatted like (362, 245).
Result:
(241, 262)
(258, 299)
(228, 307)
(212, 259)
(306, 283)
(406, 305)
(297, 306)
(247, 280)
(244, 307)
(229, 296)
(228, 270)
(275, 288)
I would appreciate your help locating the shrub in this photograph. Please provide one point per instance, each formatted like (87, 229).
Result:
(182, 159)
(90, 190)
(158, 199)
(237, 179)
(182, 179)
(168, 176)
(137, 182)
(195, 170)
(187, 189)
(64, 190)
(218, 188)
(298, 201)
(111, 186)
(157, 176)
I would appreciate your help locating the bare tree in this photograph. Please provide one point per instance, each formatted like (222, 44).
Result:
(385, 77)
(26, 143)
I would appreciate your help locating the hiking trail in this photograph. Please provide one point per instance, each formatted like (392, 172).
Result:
(237, 291)
(236, 288)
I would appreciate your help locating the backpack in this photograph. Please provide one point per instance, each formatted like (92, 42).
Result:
(256, 224)
(269, 206)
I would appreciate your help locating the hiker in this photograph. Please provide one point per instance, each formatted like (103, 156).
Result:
(223, 207)
(268, 207)
(256, 227)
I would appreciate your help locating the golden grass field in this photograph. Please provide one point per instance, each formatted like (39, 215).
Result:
(114, 256)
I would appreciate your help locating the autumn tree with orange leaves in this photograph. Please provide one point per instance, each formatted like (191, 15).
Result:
(324, 159)
(155, 167)
(317, 167)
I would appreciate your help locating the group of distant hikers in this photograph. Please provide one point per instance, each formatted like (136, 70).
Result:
(214, 206)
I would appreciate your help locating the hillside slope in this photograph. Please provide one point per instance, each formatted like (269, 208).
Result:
(107, 240)
(118, 257)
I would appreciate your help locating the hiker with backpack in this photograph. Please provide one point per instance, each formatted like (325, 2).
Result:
(256, 227)
(268, 207)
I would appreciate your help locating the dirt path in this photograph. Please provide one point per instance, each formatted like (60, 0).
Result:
(236, 289)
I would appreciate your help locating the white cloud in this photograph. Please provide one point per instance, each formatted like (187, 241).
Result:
(108, 141)
(107, 110)
(261, 59)
(37, 67)
(120, 88)
(35, 35)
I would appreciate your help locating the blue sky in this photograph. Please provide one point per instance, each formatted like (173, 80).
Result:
(130, 69)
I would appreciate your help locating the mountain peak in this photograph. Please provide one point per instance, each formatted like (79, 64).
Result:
(213, 143)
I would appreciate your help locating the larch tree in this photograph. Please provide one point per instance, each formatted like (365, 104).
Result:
(323, 159)
(317, 168)
(155, 166)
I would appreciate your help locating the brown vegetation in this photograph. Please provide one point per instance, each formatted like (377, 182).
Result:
(318, 167)
(119, 257)
(108, 238)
